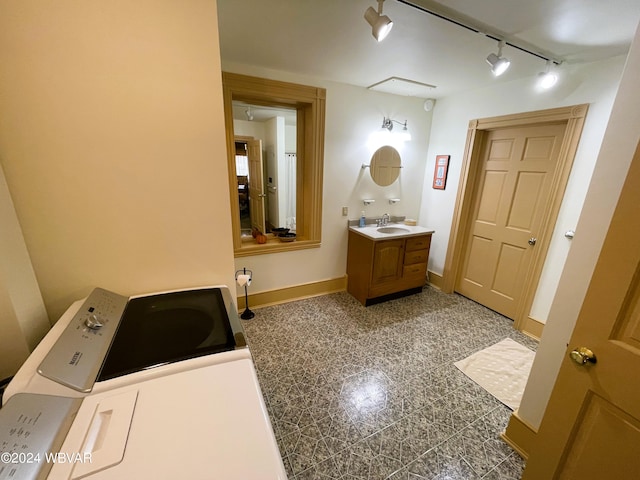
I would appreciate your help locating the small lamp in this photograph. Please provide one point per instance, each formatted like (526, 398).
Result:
(387, 123)
(380, 24)
(499, 64)
(548, 78)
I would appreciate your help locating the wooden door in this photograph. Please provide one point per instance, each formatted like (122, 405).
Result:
(256, 184)
(510, 199)
(388, 259)
(591, 427)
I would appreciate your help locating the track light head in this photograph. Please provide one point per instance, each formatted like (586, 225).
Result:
(380, 24)
(248, 113)
(548, 78)
(499, 64)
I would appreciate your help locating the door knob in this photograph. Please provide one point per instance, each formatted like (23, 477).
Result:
(533, 240)
(582, 356)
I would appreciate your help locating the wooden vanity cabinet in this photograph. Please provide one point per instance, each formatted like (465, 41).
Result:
(376, 268)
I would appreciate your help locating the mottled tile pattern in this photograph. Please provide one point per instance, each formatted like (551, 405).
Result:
(372, 393)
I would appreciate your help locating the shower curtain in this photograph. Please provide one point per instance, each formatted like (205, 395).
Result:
(290, 182)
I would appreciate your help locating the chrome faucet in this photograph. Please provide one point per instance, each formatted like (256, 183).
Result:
(384, 220)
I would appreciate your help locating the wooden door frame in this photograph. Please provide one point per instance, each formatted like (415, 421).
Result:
(574, 117)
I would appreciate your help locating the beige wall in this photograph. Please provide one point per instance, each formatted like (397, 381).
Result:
(13, 346)
(112, 142)
(23, 320)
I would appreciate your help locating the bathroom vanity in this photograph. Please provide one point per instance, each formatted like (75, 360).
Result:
(385, 262)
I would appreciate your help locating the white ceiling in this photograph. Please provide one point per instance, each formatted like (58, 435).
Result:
(330, 39)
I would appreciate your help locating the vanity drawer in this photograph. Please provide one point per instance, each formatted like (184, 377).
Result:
(418, 243)
(416, 256)
(417, 270)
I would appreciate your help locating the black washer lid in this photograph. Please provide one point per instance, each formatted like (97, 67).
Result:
(170, 327)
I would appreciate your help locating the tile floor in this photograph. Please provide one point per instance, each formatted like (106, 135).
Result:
(372, 393)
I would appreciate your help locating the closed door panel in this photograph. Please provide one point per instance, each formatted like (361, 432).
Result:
(526, 200)
(508, 266)
(510, 199)
(493, 186)
(480, 249)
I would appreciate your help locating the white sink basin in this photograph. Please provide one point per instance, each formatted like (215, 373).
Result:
(387, 232)
(393, 230)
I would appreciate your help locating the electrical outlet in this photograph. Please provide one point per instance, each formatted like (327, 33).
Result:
(345, 211)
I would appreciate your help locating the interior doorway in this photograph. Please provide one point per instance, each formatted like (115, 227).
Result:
(249, 175)
(512, 188)
(479, 265)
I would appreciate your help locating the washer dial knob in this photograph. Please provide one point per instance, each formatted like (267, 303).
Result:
(93, 322)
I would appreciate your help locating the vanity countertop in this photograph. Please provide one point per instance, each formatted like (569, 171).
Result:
(392, 230)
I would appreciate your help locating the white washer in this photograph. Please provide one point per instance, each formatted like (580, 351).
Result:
(198, 416)
(108, 340)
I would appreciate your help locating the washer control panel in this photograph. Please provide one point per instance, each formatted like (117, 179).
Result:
(76, 357)
(32, 429)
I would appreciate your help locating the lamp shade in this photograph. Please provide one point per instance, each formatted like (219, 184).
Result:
(499, 65)
(380, 24)
(547, 79)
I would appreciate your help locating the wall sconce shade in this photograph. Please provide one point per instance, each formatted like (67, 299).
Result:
(499, 64)
(380, 24)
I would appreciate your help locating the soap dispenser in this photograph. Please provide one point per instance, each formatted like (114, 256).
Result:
(362, 220)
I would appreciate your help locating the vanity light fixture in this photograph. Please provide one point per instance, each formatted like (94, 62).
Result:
(499, 64)
(380, 24)
(548, 78)
(403, 134)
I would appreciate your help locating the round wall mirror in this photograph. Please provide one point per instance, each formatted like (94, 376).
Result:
(385, 166)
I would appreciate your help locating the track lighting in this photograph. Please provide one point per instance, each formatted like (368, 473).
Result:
(248, 113)
(388, 124)
(499, 64)
(380, 24)
(548, 78)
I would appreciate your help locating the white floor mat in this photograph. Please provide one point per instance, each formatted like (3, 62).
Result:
(501, 369)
